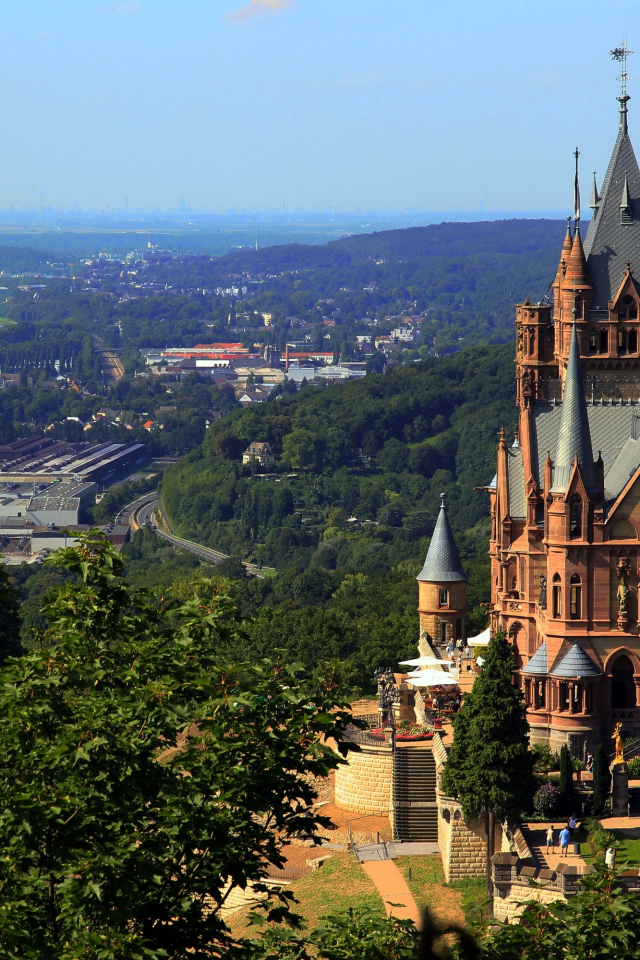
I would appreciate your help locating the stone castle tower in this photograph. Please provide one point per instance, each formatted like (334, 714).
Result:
(565, 501)
(442, 587)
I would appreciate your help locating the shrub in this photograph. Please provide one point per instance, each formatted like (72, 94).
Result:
(634, 769)
(543, 759)
(577, 764)
(598, 836)
(546, 800)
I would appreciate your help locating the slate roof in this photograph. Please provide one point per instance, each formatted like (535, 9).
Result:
(609, 244)
(576, 663)
(443, 562)
(574, 435)
(622, 469)
(611, 425)
(538, 665)
(517, 499)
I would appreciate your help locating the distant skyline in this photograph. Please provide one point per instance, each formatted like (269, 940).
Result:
(368, 105)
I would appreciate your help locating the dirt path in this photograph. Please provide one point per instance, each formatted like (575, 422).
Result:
(392, 887)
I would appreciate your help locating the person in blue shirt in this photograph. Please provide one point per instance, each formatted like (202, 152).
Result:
(565, 837)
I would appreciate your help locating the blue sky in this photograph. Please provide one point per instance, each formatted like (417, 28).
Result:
(370, 104)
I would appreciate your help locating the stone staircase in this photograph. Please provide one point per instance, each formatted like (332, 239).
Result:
(414, 794)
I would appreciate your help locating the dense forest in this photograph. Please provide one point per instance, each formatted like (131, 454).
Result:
(346, 512)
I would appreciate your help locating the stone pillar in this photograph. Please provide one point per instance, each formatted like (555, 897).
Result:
(636, 681)
(619, 789)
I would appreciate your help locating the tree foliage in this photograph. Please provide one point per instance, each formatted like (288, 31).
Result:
(490, 762)
(144, 775)
(601, 780)
(566, 776)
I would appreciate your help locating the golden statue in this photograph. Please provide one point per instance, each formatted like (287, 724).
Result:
(617, 736)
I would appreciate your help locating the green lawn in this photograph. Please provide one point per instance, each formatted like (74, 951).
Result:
(458, 902)
(341, 883)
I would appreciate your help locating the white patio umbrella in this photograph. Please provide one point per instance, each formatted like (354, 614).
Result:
(432, 678)
(424, 662)
(482, 640)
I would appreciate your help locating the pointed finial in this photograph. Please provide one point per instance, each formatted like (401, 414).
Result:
(569, 227)
(576, 193)
(595, 196)
(621, 54)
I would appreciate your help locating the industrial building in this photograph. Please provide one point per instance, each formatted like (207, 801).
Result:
(42, 460)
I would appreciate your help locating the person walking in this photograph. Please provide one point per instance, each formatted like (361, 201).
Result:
(550, 841)
(572, 824)
(565, 837)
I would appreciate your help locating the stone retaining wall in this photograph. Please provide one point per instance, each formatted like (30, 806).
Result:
(508, 902)
(364, 782)
(462, 845)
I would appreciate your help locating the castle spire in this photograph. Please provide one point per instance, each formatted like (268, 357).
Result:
(595, 196)
(443, 561)
(576, 194)
(574, 437)
(620, 54)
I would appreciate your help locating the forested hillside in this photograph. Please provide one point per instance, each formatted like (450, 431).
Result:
(346, 512)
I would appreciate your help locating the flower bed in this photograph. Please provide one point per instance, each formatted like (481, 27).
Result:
(406, 731)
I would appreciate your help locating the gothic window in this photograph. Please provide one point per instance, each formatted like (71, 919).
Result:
(575, 516)
(563, 696)
(593, 340)
(604, 341)
(532, 342)
(588, 698)
(575, 597)
(540, 693)
(622, 684)
(557, 596)
(633, 341)
(443, 597)
(622, 341)
(630, 308)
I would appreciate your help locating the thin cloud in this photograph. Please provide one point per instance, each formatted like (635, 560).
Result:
(257, 8)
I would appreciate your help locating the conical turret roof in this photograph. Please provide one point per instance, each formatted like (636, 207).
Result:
(538, 665)
(574, 436)
(611, 242)
(576, 664)
(443, 562)
(577, 274)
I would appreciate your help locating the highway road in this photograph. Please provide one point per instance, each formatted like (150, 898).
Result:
(142, 515)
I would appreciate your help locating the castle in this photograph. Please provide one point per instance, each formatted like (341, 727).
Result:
(565, 501)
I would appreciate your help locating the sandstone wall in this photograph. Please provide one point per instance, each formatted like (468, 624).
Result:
(508, 902)
(462, 845)
(364, 783)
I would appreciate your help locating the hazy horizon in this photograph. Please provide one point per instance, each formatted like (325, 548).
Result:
(315, 104)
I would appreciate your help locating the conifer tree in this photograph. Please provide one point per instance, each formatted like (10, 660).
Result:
(601, 780)
(566, 776)
(490, 765)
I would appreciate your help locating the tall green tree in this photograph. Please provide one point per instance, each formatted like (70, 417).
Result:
(490, 765)
(143, 775)
(601, 780)
(566, 776)
(9, 617)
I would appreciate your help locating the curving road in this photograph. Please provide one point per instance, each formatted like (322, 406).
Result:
(142, 515)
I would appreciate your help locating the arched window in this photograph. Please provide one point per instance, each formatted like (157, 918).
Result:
(575, 516)
(557, 595)
(575, 597)
(532, 342)
(604, 341)
(622, 684)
